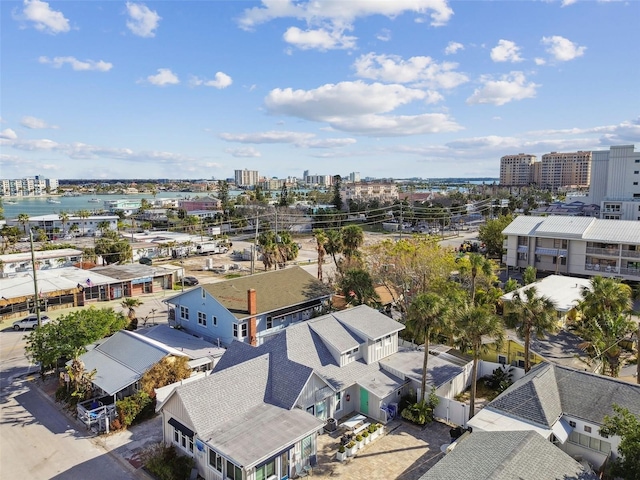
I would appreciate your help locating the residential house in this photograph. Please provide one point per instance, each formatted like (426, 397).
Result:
(12, 263)
(565, 406)
(134, 279)
(258, 414)
(524, 455)
(249, 309)
(575, 246)
(357, 365)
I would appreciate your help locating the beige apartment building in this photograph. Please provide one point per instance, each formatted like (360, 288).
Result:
(516, 170)
(571, 169)
(364, 192)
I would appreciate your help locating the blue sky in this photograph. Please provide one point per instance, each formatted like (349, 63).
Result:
(398, 88)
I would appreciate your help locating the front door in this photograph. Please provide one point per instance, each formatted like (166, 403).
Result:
(364, 401)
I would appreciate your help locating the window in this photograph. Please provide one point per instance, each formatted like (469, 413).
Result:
(635, 183)
(215, 460)
(378, 344)
(636, 172)
(387, 340)
(338, 401)
(590, 442)
(572, 424)
(233, 472)
(284, 465)
(184, 312)
(502, 359)
(269, 322)
(244, 329)
(202, 319)
(235, 330)
(183, 441)
(265, 471)
(214, 320)
(307, 446)
(587, 429)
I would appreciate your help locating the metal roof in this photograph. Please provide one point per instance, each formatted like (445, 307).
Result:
(186, 343)
(564, 292)
(614, 231)
(131, 271)
(40, 255)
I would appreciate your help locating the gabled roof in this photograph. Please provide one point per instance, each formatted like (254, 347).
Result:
(123, 358)
(275, 290)
(361, 321)
(549, 390)
(507, 456)
(334, 334)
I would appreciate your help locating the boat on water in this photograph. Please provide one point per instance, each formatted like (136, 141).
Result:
(10, 202)
(94, 200)
(52, 200)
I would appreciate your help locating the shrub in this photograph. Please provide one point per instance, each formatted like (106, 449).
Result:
(165, 463)
(342, 449)
(351, 444)
(421, 412)
(406, 400)
(358, 438)
(130, 407)
(365, 434)
(501, 379)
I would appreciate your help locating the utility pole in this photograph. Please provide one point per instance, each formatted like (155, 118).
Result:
(254, 248)
(401, 222)
(35, 279)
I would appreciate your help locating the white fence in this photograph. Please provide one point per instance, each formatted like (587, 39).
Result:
(452, 411)
(485, 369)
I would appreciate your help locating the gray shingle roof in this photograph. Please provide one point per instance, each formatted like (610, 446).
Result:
(274, 290)
(333, 333)
(523, 455)
(549, 390)
(364, 322)
(409, 362)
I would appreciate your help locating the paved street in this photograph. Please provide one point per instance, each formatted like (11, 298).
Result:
(37, 441)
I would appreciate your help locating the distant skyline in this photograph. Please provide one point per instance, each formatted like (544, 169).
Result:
(399, 88)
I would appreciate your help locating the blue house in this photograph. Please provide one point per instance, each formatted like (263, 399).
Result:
(249, 309)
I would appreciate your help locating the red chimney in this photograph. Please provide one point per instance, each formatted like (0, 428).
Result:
(253, 309)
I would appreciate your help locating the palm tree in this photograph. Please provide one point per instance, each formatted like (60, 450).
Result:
(131, 304)
(476, 264)
(103, 226)
(64, 218)
(357, 286)
(321, 239)
(83, 214)
(352, 240)
(606, 308)
(334, 245)
(472, 325)
(529, 275)
(429, 318)
(529, 313)
(23, 219)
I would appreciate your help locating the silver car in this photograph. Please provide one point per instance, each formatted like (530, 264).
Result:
(30, 321)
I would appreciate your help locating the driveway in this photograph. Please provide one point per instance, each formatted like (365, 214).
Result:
(405, 452)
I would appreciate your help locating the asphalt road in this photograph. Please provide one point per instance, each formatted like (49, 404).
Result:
(38, 442)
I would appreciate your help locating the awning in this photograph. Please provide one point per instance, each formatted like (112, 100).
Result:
(561, 429)
(179, 426)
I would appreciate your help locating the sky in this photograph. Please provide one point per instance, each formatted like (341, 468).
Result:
(389, 88)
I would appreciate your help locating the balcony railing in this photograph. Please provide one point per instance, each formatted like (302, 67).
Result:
(606, 252)
(634, 272)
(631, 253)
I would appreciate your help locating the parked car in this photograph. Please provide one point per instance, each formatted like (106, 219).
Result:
(190, 281)
(146, 261)
(30, 321)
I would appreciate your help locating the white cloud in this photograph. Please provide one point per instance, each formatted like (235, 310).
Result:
(142, 20)
(423, 70)
(506, 51)
(566, 3)
(320, 39)
(45, 19)
(562, 49)
(35, 123)
(245, 152)
(356, 107)
(512, 86)
(78, 65)
(384, 35)
(539, 61)
(299, 139)
(342, 99)
(432, 97)
(164, 77)
(221, 80)
(8, 134)
(453, 48)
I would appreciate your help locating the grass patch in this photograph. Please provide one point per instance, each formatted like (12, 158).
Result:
(482, 391)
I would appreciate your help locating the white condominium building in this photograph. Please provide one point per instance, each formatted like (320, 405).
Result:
(575, 246)
(246, 178)
(28, 187)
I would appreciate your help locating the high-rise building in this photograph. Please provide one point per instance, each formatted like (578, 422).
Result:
(246, 178)
(571, 169)
(354, 177)
(28, 187)
(517, 170)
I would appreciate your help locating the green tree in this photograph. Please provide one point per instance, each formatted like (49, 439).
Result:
(334, 245)
(352, 240)
(167, 371)
(83, 214)
(277, 249)
(491, 235)
(113, 250)
(627, 426)
(475, 264)
(529, 313)
(511, 285)
(357, 286)
(284, 197)
(130, 305)
(223, 194)
(103, 226)
(65, 338)
(337, 198)
(23, 219)
(64, 218)
(530, 275)
(473, 324)
(429, 319)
